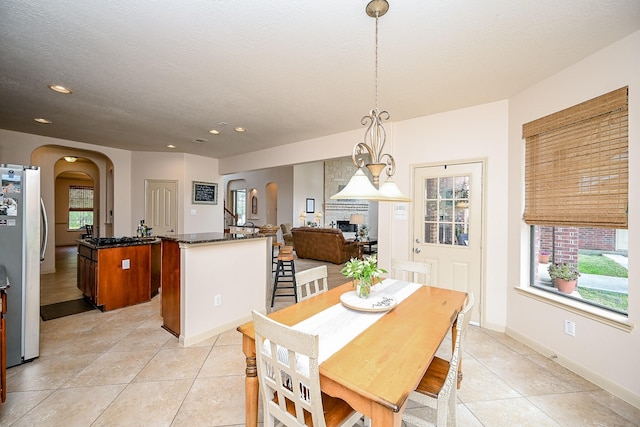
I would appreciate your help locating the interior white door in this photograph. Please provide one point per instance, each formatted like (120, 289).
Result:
(161, 206)
(447, 229)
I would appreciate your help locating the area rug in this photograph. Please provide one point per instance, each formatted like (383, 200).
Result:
(66, 308)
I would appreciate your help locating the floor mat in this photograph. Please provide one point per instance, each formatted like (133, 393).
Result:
(66, 308)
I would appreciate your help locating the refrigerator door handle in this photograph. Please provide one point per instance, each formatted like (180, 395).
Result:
(45, 230)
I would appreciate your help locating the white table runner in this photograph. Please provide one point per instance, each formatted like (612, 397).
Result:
(338, 325)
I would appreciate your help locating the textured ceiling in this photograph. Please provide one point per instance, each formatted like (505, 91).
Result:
(148, 73)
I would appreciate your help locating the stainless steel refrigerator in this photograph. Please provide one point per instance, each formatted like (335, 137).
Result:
(22, 242)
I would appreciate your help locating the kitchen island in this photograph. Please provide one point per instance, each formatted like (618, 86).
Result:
(212, 281)
(115, 272)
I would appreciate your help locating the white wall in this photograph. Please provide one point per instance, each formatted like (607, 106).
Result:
(308, 183)
(183, 168)
(604, 354)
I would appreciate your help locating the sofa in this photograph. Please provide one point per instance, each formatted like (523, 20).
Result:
(286, 234)
(323, 244)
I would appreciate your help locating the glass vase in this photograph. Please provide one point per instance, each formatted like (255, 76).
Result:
(363, 288)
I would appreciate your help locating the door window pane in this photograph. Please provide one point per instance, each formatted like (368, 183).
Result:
(446, 217)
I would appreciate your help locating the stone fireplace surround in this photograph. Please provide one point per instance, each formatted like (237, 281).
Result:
(337, 173)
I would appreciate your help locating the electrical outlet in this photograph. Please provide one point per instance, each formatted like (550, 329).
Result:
(217, 300)
(570, 328)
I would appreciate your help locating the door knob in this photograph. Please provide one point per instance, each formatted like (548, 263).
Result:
(417, 250)
(418, 240)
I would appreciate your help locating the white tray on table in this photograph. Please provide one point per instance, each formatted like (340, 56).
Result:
(375, 303)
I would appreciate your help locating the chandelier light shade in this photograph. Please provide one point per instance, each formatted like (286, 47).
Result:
(371, 150)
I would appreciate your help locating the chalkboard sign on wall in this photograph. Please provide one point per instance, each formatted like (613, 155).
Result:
(204, 193)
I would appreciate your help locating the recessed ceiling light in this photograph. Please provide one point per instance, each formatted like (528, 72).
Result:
(239, 129)
(214, 131)
(171, 146)
(43, 121)
(70, 159)
(60, 89)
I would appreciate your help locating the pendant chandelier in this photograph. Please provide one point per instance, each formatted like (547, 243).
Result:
(359, 186)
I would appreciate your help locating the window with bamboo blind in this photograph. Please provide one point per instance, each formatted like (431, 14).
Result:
(80, 206)
(576, 170)
(576, 198)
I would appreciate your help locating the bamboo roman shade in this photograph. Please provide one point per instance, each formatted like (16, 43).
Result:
(576, 168)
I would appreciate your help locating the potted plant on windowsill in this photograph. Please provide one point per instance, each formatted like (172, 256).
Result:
(543, 257)
(565, 276)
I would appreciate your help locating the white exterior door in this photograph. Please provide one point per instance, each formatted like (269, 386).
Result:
(161, 206)
(447, 226)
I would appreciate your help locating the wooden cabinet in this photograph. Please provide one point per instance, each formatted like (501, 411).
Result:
(171, 287)
(115, 277)
(87, 271)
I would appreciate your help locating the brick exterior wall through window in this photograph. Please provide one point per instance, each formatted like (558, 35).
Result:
(568, 240)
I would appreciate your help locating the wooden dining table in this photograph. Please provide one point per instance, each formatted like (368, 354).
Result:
(376, 370)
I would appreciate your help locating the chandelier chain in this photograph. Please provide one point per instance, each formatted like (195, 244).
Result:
(376, 63)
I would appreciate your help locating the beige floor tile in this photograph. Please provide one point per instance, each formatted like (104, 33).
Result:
(525, 376)
(81, 342)
(618, 406)
(47, 373)
(224, 360)
(511, 412)
(580, 409)
(146, 404)
(479, 384)
(230, 337)
(112, 368)
(71, 407)
(480, 345)
(143, 339)
(19, 403)
(216, 401)
(576, 382)
(174, 364)
(511, 343)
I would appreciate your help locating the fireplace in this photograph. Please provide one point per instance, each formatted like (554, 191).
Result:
(345, 227)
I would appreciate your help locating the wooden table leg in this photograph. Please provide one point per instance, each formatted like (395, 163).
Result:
(384, 417)
(250, 383)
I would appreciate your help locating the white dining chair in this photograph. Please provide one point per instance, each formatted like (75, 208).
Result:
(289, 379)
(411, 271)
(437, 388)
(311, 282)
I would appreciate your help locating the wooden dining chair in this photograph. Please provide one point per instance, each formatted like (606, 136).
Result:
(438, 386)
(411, 271)
(311, 282)
(289, 379)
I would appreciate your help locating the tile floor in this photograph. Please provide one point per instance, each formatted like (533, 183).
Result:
(120, 368)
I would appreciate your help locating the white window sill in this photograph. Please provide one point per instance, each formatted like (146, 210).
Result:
(598, 314)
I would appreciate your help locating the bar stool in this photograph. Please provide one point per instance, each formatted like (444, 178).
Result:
(274, 257)
(285, 273)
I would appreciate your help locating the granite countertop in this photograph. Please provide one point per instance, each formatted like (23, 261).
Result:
(117, 242)
(210, 237)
